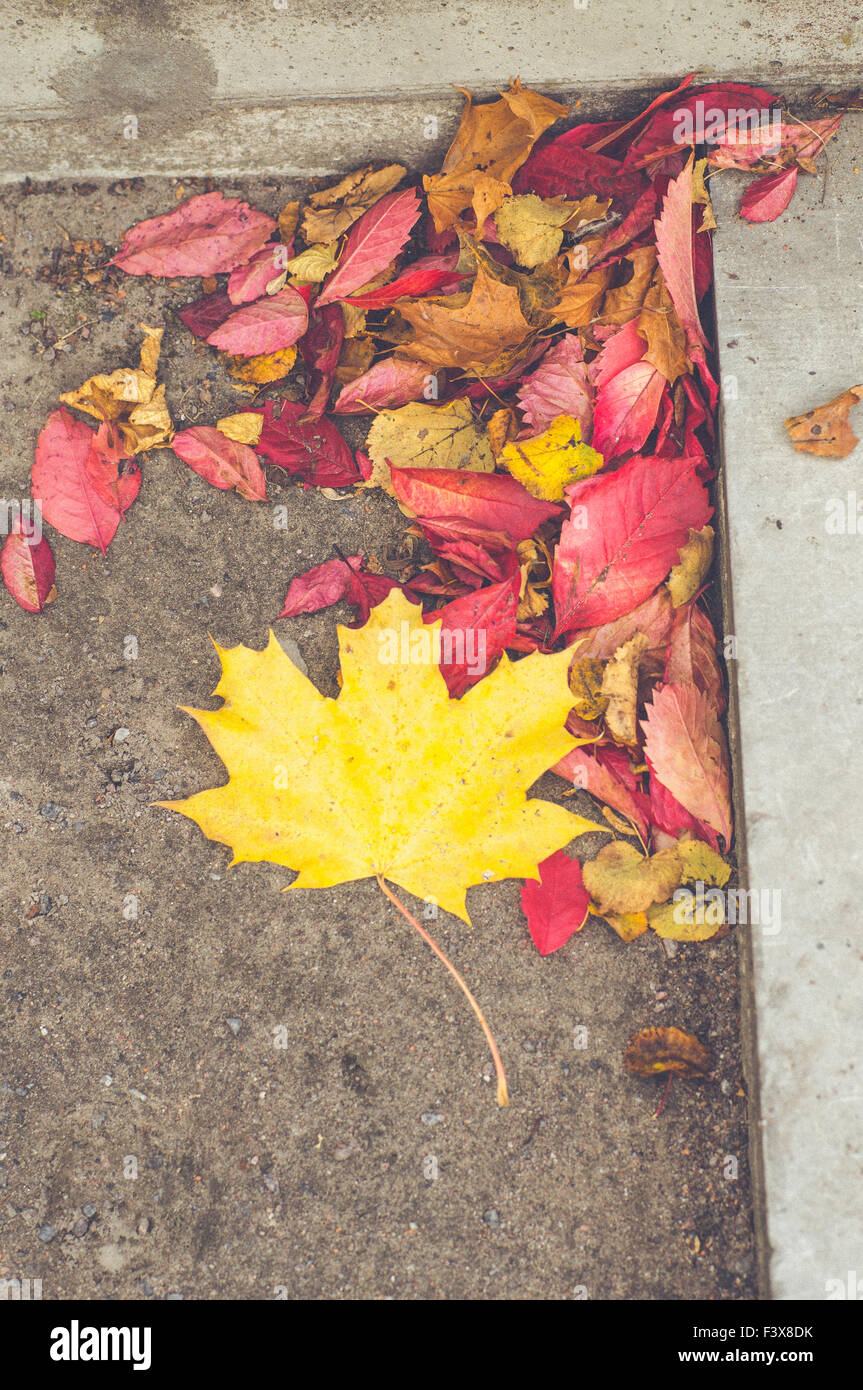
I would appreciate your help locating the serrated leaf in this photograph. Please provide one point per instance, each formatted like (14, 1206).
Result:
(550, 462)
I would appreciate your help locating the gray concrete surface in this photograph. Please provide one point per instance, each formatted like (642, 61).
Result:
(146, 1045)
(227, 87)
(312, 90)
(790, 314)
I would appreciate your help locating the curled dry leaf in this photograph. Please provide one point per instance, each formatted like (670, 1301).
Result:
(655, 1050)
(687, 576)
(331, 211)
(825, 430)
(620, 689)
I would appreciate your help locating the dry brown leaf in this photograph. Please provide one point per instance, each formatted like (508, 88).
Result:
(585, 682)
(492, 142)
(472, 335)
(581, 296)
(659, 325)
(656, 1050)
(825, 431)
(624, 302)
(332, 211)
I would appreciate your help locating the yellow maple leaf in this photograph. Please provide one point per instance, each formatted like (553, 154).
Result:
(393, 779)
(548, 463)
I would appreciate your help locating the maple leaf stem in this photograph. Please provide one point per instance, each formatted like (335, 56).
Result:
(502, 1092)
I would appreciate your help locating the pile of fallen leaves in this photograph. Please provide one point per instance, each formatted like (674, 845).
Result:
(528, 331)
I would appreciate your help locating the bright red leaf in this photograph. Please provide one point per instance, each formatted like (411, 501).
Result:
(555, 907)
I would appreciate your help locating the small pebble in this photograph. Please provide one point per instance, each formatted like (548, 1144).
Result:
(47, 1233)
(89, 1210)
(491, 1217)
(121, 735)
(235, 1024)
(431, 1117)
(81, 1227)
(342, 1152)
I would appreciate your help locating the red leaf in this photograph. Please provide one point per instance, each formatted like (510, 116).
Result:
(493, 500)
(475, 630)
(584, 770)
(206, 314)
(249, 281)
(373, 243)
(674, 249)
(623, 536)
(71, 478)
(320, 348)
(386, 385)
(412, 282)
(685, 747)
(559, 386)
(271, 323)
(626, 410)
(27, 566)
(204, 236)
(324, 585)
(557, 906)
(221, 461)
(311, 450)
(766, 198)
(667, 815)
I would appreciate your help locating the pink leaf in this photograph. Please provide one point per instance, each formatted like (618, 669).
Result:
(70, 479)
(585, 770)
(386, 385)
(686, 749)
(626, 409)
(221, 461)
(556, 907)
(373, 243)
(248, 282)
(653, 617)
(494, 500)
(27, 566)
(692, 655)
(271, 323)
(674, 249)
(324, 585)
(766, 198)
(623, 536)
(668, 816)
(559, 386)
(207, 235)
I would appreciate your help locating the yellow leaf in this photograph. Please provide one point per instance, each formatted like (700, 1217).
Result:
(701, 862)
(620, 688)
(681, 921)
(628, 925)
(267, 366)
(312, 265)
(427, 436)
(244, 428)
(150, 348)
(531, 228)
(687, 576)
(620, 879)
(149, 424)
(548, 463)
(393, 778)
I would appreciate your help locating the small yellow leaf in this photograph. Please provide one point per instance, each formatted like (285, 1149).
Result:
(548, 463)
(244, 428)
(267, 366)
(700, 862)
(681, 920)
(628, 925)
(687, 576)
(532, 229)
(312, 265)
